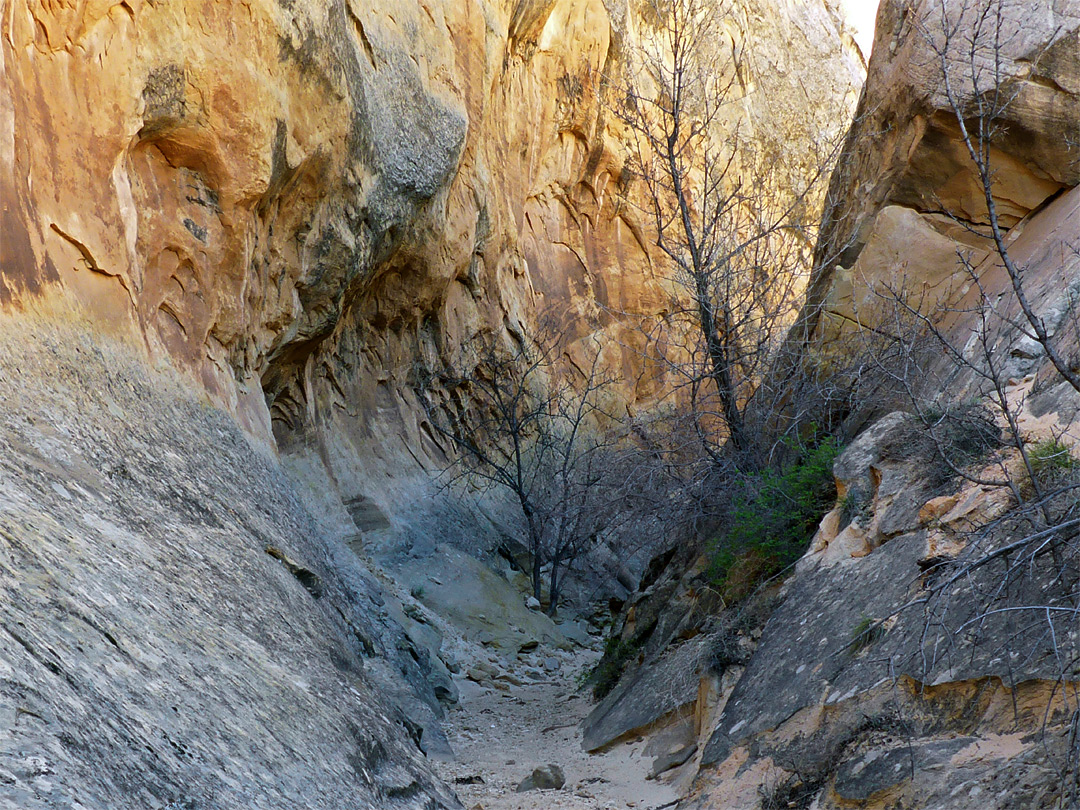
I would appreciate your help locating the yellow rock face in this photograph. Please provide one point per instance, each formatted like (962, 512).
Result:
(292, 199)
(907, 192)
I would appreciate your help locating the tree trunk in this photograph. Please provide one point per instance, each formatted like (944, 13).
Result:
(721, 371)
(553, 588)
(535, 548)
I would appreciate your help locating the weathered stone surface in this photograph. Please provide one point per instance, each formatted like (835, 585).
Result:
(904, 164)
(664, 690)
(546, 777)
(671, 747)
(476, 600)
(881, 771)
(852, 662)
(155, 654)
(883, 480)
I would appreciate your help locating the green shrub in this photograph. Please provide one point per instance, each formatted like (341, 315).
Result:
(773, 521)
(617, 654)
(1051, 458)
(865, 632)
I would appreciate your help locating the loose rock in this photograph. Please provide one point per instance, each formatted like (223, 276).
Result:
(548, 777)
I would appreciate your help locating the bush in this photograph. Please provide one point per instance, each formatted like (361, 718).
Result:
(772, 523)
(865, 632)
(617, 654)
(1051, 458)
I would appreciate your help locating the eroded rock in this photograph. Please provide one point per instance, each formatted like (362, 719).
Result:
(156, 654)
(905, 166)
(546, 777)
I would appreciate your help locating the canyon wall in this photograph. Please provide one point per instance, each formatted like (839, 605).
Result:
(906, 177)
(303, 201)
(883, 678)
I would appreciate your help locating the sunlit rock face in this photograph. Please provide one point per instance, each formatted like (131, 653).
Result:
(906, 187)
(301, 201)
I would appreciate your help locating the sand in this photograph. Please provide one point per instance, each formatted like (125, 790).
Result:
(501, 734)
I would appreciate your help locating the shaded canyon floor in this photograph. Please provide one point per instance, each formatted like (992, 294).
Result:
(501, 731)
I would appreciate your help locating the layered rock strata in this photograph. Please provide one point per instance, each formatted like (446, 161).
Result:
(302, 201)
(177, 632)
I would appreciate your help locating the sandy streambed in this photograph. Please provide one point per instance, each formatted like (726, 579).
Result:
(501, 734)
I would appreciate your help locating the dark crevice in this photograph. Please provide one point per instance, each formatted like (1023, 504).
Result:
(305, 576)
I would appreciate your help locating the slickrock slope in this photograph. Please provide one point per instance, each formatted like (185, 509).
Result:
(176, 631)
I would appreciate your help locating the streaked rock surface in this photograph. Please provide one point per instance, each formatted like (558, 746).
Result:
(177, 630)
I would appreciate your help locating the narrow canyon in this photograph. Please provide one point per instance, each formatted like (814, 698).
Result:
(539, 404)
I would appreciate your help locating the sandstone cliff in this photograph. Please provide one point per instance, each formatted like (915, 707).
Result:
(302, 202)
(906, 178)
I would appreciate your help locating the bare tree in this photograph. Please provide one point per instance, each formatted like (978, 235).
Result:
(737, 246)
(533, 427)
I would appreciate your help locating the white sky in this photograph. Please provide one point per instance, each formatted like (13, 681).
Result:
(860, 15)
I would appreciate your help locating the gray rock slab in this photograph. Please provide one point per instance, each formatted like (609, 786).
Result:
(660, 689)
(154, 654)
(546, 777)
(671, 746)
(862, 778)
(477, 600)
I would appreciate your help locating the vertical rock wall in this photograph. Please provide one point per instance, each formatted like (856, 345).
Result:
(906, 186)
(299, 201)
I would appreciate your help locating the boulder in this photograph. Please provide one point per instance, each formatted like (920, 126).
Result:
(664, 688)
(671, 747)
(546, 777)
